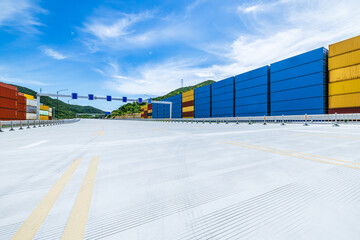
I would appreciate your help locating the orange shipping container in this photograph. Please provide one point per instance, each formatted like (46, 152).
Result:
(10, 114)
(8, 103)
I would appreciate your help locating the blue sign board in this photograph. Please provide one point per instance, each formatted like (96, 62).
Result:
(108, 98)
(91, 96)
(107, 113)
(124, 99)
(74, 96)
(149, 101)
(140, 100)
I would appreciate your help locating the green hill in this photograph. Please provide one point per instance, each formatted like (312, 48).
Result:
(135, 107)
(63, 110)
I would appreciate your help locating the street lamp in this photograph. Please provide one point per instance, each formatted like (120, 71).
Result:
(57, 102)
(68, 104)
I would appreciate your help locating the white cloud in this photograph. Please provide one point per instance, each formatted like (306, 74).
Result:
(20, 14)
(280, 29)
(52, 53)
(113, 28)
(5, 78)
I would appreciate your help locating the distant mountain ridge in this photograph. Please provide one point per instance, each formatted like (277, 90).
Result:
(135, 107)
(63, 110)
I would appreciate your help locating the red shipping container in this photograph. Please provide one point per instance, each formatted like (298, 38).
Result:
(8, 103)
(344, 110)
(21, 107)
(150, 106)
(21, 116)
(8, 91)
(21, 98)
(8, 113)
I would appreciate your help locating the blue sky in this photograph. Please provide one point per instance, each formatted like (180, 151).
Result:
(138, 48)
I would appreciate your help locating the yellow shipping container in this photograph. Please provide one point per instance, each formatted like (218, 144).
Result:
(188, 109)
(29, 96)
(43, 107)
(344, 60)
(44, 117)
(344, 73)
(188, 117)
(344, 87)
(344, 46)
(150, 111)
(188, 98)
(188, 93)
(344, 101)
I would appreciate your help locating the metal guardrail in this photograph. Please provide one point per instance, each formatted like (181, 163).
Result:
(26, 124)
(334, 119)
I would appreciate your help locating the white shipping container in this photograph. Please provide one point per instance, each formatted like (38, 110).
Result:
(30, 102)
(30, 116)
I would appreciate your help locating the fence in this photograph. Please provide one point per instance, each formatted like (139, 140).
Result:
(27, 124)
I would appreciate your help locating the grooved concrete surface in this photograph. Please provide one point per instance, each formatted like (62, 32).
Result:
(185, 181)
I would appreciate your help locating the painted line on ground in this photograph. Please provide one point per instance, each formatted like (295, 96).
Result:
(34, 144)
(75, 227)
(297, 155)
(37, 217)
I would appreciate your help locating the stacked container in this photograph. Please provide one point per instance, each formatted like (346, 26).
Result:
(344, 76)
(149, 110)
(146, 111)
(50, 114)
(44, 112)
(222, 100)
(155, 107)
(8, 102)
(203, 102)
(251, 93)
(177, 106)
(188, 104)
(30, 107)
(142, 111)
(21, 115)
(298, 85)
(161, 111)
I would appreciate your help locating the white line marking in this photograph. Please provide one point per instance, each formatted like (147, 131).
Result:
(34, 144)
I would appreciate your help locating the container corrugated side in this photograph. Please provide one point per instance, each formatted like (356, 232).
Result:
(345, 46)
(8, 93)
(344, 87)
(8, 103)
(253, 74)
(345, 73)
(43, 107)
(30, 116)
(344, 60)
(344, 110)
(299, 93)
(303, 81)
(44, 117)
(10, 114)
(344, 101)
(27, 96)
(44, 113)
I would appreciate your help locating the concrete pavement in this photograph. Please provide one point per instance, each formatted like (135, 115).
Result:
(104, 179)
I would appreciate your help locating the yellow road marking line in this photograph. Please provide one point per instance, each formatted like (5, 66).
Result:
(37, 217)
(306, 154)
(294, 154)
(326, 136)
(75, 227)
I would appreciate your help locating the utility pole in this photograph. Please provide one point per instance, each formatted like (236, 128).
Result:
(57, 102)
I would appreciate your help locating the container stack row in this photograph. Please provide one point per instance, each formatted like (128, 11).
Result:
(8, 102)
(30, 107)
(202, 97)
(344, 76)
(21, 110)
(222, 99)
(188, 104)
(251, 93)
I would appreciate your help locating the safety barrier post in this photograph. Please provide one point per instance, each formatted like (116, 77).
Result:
(12, 129)
(39, 123)
(282, 121)
(203, 120)
(250, 121)
(44, 123)
(28, 123)
(336, 122)
(34, 124)
(226, 121)
(21, 128)
(264, 121)
(237, 120)
(1, 127)
(217, 121)
(306, 123)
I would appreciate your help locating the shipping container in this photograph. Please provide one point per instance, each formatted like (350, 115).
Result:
(202, 102)
(298, 85)
(21, 115)
(344, 101)
(44, 113)
(30, 116)
(344, 60)
(344, 87)
(10, 114)
(21, 107)
(344, 46)
(346, 73)
(344, 110)
(8, 103)
(28, 96)
(8, 91)
(44, 117)
(43, 107)
(30, 102)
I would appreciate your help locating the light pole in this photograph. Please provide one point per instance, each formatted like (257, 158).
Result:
(68, 104)
(57, 102)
